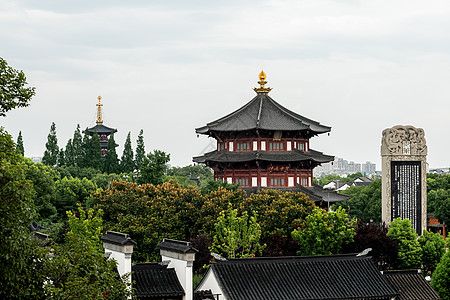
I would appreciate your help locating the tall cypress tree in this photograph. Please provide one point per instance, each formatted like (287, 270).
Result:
(61, 158)
(96, 152)
(20, 148)
(68, 154)
(50, 157)
(111, 159)
(127, 162)
(86, 149)
(140, 150)
(77, 143)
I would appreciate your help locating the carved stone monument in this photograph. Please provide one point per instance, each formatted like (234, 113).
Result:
(404, 179)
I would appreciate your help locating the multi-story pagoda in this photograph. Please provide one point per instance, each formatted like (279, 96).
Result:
(265, 145)
(103, 131)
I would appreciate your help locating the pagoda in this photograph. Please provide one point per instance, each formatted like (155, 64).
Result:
(264, 145)
(103, 131)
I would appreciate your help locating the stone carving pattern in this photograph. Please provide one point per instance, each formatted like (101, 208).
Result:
(400, 140)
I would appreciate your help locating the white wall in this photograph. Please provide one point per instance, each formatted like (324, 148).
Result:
(210, 283)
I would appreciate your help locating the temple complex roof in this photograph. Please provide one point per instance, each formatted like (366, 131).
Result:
(271, 156)
(263, 113)
(102, 129)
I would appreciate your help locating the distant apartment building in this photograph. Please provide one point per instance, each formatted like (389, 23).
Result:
(343, 167)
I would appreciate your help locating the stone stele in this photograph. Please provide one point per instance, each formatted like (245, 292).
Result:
(404, 185)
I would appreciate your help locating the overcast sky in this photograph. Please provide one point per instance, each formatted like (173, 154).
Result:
(168, 67)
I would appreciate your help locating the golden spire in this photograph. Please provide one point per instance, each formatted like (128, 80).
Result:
(262, 81)
(99, 111)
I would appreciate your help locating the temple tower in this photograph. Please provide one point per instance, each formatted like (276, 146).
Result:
(265, 145)
(103, 131)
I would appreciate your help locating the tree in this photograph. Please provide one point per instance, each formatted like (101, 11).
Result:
(364, 202)
(43, 178)
(61, 158)
(111, 159)
(127, 161)
(324, 233)
(86, 150)
(439, 203)
(96, 152)
(140, 150)
(78, 269)
(14, 91)
(372, 235)
(21, 258)
(50, 157)
(237, 236)
(433, 248)
(89, 224)
(68, 154)
(20, 144)
(409, 251)
(153, 167)
(77, 147)
(70, 191)
(440, 280)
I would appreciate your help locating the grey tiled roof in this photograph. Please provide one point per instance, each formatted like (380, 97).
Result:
(262, 112)
(102, 129)
(411, 285)
(273, 156)
(319, 277)
(117, 238)
(176, 246)
(151, 280)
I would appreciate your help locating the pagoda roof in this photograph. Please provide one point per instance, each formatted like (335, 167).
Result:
(100, 128)
(263, 113)
(272, 156)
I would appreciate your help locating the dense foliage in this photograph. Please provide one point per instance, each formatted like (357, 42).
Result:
(237, 236)
(364, 202)
(324, 233)
(440, 280)
(51, 152)
(372, 235)
(14, 91)
(150, 213)
(409, 251)
(433, 248)
(20, 256)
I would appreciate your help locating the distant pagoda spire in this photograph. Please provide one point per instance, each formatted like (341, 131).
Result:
(262, 82)
(99, 111)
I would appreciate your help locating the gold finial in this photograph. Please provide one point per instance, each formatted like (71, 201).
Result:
(99, 111)
(262, 75)
(262, 81)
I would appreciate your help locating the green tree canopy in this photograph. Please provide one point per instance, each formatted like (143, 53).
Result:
(409, 251)
(324, 233)
(140, 150)
(78, 268)
(20, 144)
(43, 178)
(153, 167)
(70, 191)
(364, 202)
(127, 161)
(433, 248)
(22, 261)
(111, 159)
(14, 91)
(237, 236)
(50, 157)
(96, 159)
(440, 280)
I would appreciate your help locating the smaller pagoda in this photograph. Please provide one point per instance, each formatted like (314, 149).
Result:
(103, 131)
